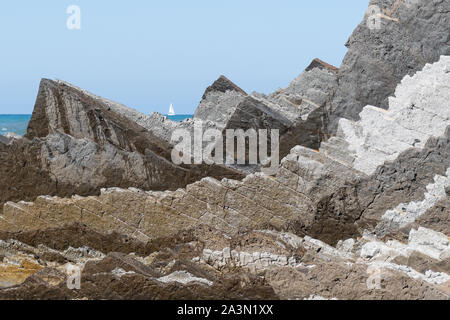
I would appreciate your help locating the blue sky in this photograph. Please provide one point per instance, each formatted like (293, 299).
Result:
(148, 54)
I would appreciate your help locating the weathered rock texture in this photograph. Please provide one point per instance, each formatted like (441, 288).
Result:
(78, 143)
(363, 214)
(255, 265)
(4, 140)
(298, 111)
(219, 101)
(412, 34)
(379, 185)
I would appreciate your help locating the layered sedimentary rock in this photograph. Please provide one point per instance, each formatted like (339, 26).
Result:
(302, 195)
(298, 111)
(409, 35)
(410, 139)
(367, 208)
(4, 140)
(118, 268)
(78, 143)
(363, 214)
(219, 101)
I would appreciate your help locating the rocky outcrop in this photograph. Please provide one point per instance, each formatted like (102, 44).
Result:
(374, 65)
(407, 187)
(326, 194)
(78, 143)
(362, 214)
(206, 265)
(297, 111)
(410, 35)
(155, 273)
(417, 112)
(317, 63)
(219, 101)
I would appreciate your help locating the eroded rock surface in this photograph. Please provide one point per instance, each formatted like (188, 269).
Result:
(363, 214)
(411, 34)
(78, 143)
(325, 215)
(260, 264)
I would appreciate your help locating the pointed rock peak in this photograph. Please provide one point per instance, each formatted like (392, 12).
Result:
(223, 84)
(39, 122)
(317, 63)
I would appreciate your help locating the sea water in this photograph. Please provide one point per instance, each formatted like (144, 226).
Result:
(180, 117)
(15, 123)
(18, 123)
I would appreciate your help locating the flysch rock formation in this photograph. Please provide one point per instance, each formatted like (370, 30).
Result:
(358, 209)
(349, 222)
(410, 35)
(298, 111)
(78, 143)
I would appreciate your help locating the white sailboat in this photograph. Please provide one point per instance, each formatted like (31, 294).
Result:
(171, 110)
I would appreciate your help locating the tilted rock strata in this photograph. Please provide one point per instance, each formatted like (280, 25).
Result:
(419, 110)
(4, 140)
(297, 111)
(206, 265)
(312, 193)
(412, 34)
(365, 216)
(162, 273)
(417, 179)
(219, 101)
(78, 143)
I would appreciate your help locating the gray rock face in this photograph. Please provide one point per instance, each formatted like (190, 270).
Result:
(412, 34)
(298, 111)
(78, 143)
(361, 203)
(320, 193)
(219, 101)
(4, 140)
(223, 84)
(363, 214)
(253, 113)
(404, 151)
(308, 92)
(314, 88)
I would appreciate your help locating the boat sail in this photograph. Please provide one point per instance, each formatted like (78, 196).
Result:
(171, 110)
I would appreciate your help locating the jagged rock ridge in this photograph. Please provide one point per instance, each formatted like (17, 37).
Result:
(301, 199)
(78, 143)
(412, 34)
(361, 215)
